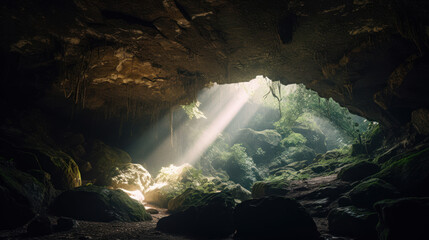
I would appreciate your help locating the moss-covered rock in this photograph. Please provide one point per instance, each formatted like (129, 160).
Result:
(63, 169)
(22, 196)
(405, 218)
(358, 149)
(358, 171)
(367, 193)
(193, 197)
(269, 188)
(241, 168)
(104, 159)
(409, 174)
(267, 140)
(315, 138)
(274, 218)
(208, 215)
(130, 176)
(353, 222)
(93, 203)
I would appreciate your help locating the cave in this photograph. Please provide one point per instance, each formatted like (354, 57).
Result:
(227, 119)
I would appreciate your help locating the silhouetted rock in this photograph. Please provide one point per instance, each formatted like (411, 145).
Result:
(367, 193)
(353, 222)
(405, 218)
(210, 216)
(39, 226)
(273, 218)
(21, 197)
(93, 203)
(358, 171)
(410, 173)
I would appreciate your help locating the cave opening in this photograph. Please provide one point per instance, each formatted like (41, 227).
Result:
(138, 119)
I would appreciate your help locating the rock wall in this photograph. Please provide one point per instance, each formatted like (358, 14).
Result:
(124, 59)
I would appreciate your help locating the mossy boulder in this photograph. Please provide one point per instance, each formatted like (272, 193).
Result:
(130, 176)
(405, 218)
(353, 222)
(22, 196)
(267, 140)
(160, 195)
(358, 171)
(274, 218)
(190, 197)
(62, 168)
(104, 159)
(269, 188)
(93, 203)
(410, 174)
(316, 140)
(366, 193)
(204, 215)
(358, 149)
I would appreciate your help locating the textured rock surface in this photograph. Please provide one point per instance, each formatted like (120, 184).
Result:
(353, 222)
(209, 215)
(131, 177)
(94, 203)
(404, 218)
(129, 57)
(273, 218)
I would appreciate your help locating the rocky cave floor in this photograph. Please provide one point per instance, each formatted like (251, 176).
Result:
(312, 193)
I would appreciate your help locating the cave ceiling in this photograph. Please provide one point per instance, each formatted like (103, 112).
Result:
(134, 56)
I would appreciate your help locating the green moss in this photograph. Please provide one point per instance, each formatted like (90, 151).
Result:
(409, 174)
(293, 139)
(367, 193)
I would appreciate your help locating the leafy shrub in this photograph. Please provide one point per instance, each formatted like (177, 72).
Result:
(240, 167)
(294, 139)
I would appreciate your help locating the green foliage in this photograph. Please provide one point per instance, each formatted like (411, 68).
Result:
(302, 103)
(240, 167)
(192, 110)
(294, 139)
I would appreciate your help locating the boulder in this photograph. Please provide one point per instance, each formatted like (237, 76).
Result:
(237, 192)
(131, 177)
(269, 188)
(405, 218)
(210, 216)
(159, 195)
(353, 222)
(190, 197)
(358, 171)
(273, 218)
(267, 140)
(302, 153)
(63, 169)
(315, 138)
(358, 149)
(93, 203)
(367, 193)
(104, 159)
(39, 226)
(21, 197)
(410, 174)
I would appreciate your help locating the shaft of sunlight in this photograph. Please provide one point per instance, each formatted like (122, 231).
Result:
(216, 126)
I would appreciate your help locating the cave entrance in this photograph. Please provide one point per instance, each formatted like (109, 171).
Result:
(248, 132)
